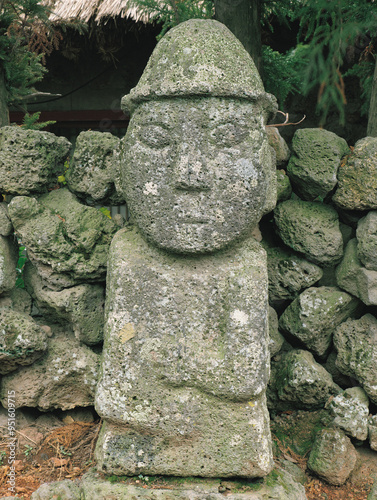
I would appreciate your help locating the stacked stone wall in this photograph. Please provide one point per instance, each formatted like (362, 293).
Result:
(321, 244)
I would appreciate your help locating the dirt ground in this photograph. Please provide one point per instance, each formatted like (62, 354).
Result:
(67, 452)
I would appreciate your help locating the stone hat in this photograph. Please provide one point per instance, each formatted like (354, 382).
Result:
(200, 57)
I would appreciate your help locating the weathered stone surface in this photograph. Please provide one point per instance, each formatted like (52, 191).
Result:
(372, 432)
(356, 343)
(90, 174)
(276, 338)
(356, 279)
(357, 179)
(297, 379)
(276, 141)
(284, 188)
(224, 163)
(68, 238)
(312, 316)
(179, 66)
(373, 492)
(333, 456)
(196, 168)
(30, 160)
(22, 341)
(64, 378)
(82, 305)
(278, 485)
(310, 228)
(288, 274)
(8, 262)
(185, 362)
(6, 227)
(59, 489)
(338, 377)
(350, 410)
(315, 161)
(367, 240)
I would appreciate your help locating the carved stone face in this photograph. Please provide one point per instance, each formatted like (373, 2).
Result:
(192, 171)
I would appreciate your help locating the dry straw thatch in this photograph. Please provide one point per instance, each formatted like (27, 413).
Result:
(99, 10)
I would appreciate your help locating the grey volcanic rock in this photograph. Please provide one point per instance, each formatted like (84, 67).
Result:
(179, 66)
(372, 432)
(367, 240)
(30, 160)
(289, 274)
(82, 305)
(356, 343)
(315, 161)
(333, 457)
(8, 262)
(284, 188)
(224, 164)
(300, 382)
(60, 233)
(22, 341)
(63, 378)
(356, 279)
(90, 174)
(310, 228)
(276, 338)
(6, 227)
(312, 316)
(195, 161)
(278, 485)
(350, 411)
(357, 179)
(185, 365)
(276, 141)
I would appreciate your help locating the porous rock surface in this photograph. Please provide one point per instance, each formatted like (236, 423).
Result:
(357, 179)
(333, 457)
(366, 235)
(354, 278)
(82, 306)
(65, 377)
(315, 160)
(30, 160)
(8, 262)
(350, 410)
(288, 274)
(356, 344)
(191, 336)
(90, 174)
(278, 485)
(63, 235)
(312, 316)
(22, 341)
(298, 381)
(310, 228)
(6, 227)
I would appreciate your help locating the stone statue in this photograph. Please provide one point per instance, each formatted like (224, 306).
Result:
(186, 360)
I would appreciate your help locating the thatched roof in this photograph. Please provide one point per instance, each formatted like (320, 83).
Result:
(65, 10)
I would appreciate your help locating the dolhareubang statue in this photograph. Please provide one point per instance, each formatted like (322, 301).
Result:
(186, 361)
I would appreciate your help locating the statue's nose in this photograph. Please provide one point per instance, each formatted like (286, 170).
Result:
(191, 170)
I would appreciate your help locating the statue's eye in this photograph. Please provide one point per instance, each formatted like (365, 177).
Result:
(229, 134)
(155, 136)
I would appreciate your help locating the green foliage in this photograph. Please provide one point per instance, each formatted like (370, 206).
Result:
(328, 27)
(363, 70)
(61, 178)
(3, 455)
(22, 259)
(21, 64)
(105, 211)
(172, 12)
(30, 122)
(28, 450)
(284, 72)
